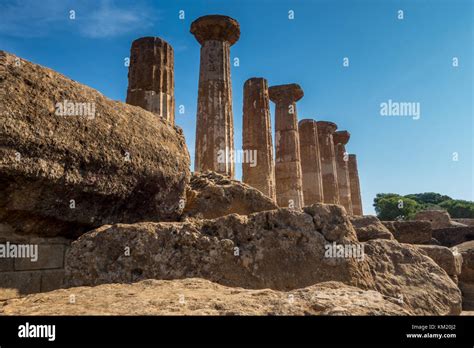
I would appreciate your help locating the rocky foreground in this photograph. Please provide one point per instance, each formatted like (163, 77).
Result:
(195, 296)
(141, 235)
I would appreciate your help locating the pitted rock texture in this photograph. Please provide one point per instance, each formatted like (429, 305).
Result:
(63, 175)
(412, 232)
(280, 249)
(466, 278)
(448, 260)
(369, 227)
(201, 297)
(437, 218)
(404, 272)
(452, 236)
(211, 195)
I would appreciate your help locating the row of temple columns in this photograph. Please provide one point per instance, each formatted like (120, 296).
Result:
(310, 164)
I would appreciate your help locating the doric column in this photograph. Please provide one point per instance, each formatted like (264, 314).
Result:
(310, 162)
(214, 127)
(340, 139)
(328, 161)
(355, 186)
(258, 167)
(288, 175)
(151, 76)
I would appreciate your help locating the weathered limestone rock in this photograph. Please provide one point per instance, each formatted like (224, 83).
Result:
(452, 236)
(310, 162)
(412, 232)
(340, 139)
(151, 76)
(369, 227)
(466, 222)
(466, 278)
(211, 195)
(196, 296)
(72, 160)
(438, 219)
(280, 249)
(257, 138)
(403, 272)
(448, 260)
(288, 175)
(328, 161)
(356, 199)
(215, 125)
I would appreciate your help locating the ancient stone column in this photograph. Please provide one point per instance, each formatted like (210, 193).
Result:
(328, 161)
(340, 139)
(258, 166)
(151, 76)
(214, 128)
(310, 162)
(355, 186)
(288, 175)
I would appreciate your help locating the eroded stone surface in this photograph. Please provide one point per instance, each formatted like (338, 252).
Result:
(356, 198)
(369, 227)
(196, 296)
(310, 162)
(72, 160)
(281, 249)
(211, 195)
(438, 219)
(413, 232)
(341, 138)
(328, 161)
(258, 168)
(214, 148)
(151, 77)
(288, 174)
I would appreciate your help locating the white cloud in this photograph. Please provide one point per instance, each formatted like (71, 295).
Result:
(94, 19)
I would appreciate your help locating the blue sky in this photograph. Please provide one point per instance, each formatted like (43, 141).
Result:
(409, 60)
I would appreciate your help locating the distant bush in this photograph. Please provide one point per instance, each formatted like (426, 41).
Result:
(391, 206)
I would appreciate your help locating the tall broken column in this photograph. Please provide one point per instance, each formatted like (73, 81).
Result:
(340, 139)
(355, 185)
(288, 175)
(214, 128)
(328, 161)
(151, 77)
(258, 169)
(310, 162)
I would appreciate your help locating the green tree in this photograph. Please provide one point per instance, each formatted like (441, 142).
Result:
(458, 208)
(395, 207)
(428, 198)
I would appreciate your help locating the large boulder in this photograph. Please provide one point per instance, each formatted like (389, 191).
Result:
(201, 297)
(452, 236)
(402, 271)
(72, 160)
(437, 218)
(281, 249)
(448, 260)
(369, 227)
(412, 232)
(466, 278)
(211, 195)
